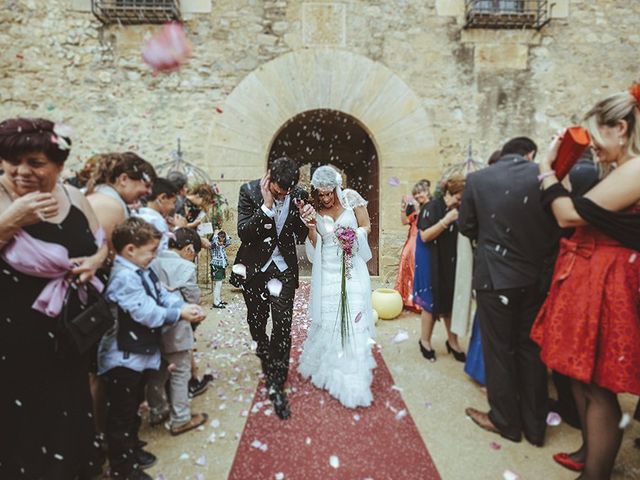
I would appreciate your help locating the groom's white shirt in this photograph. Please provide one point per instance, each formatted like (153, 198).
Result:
(280, 213)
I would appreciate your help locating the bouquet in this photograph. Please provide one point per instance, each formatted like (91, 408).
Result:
(346, 238)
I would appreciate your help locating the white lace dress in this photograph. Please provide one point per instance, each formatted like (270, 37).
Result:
(346, 373)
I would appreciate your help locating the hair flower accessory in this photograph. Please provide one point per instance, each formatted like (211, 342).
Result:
(635, 91)
(60, 141)
(60, 134)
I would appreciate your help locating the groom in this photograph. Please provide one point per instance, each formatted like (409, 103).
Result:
(270, 225)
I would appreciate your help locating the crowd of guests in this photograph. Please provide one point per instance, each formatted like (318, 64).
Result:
(556, 281)
(555, 274)
(118, 228)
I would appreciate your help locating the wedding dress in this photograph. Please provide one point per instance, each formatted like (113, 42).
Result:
(346, 372)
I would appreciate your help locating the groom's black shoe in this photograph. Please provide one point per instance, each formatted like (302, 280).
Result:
(280, 404)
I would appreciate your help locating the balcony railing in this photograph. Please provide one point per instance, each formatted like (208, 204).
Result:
(506, 13)
(135, 11)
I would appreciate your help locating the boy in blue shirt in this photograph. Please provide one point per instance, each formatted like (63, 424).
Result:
(128, 353)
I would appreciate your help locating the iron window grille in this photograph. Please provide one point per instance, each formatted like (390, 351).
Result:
(128, 12)
(506, 13)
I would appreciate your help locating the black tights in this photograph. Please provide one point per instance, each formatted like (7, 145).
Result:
(600, 414)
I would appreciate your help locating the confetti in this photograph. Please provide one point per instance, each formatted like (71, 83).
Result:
(334, 461)
(358, 317)
(401, 414)
(201, 461)
(239, 269)
(275, 287)
(495, 446)
(504, 300)
(553, 419)
(219, 110)
(184, 456)
(279, 476)
(509, 475)
(632, 258)
(167, 49)
(256, 444)
(394, 181)
(401, 336)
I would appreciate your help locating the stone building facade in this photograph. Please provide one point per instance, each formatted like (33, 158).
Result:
(404, 76)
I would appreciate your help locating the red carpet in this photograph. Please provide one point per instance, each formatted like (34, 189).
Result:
(379, 442)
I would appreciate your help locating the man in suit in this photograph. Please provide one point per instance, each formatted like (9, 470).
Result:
(270, 224)
(501, 210)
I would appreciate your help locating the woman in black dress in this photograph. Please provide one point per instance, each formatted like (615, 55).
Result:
(45, 406)
(439, 229)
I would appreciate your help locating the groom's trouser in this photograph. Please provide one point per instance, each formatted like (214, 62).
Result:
(273, 352)
(516, 377)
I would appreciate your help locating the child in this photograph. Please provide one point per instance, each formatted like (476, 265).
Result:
(160, 205)
(129, 351)
(218, 265)
(176, 270)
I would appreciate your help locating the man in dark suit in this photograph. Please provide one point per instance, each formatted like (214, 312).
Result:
(501, 210)
(270, 224)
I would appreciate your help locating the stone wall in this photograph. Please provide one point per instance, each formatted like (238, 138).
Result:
(483, 86)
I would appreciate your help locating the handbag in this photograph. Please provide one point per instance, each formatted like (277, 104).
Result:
(96, 318)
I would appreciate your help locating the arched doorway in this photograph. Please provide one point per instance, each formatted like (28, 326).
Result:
(324, 136)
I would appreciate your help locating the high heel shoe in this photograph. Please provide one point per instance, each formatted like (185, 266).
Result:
(459, 356)
(566, 461)
(428, 354)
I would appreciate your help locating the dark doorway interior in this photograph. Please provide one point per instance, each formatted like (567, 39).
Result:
(321, 137)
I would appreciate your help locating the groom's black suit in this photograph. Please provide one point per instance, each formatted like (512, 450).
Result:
(259, 236)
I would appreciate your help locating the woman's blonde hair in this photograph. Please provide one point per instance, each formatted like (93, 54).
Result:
(620, 106)
(455, 184)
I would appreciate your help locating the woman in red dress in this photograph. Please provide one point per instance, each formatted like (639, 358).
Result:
(589, 326)
(409, 216)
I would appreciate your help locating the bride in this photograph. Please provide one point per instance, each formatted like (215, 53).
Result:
(337, 353)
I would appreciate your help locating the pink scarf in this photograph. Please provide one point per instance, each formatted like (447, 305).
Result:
(41, 259)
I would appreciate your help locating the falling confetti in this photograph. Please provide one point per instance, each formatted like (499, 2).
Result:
(275, 287)
(632, 258)
(503, 299)
(167, 49)
(495, 446)
(201, 461)
(184, 456)
(334, 461)
(401, 414)
(279, 476)
(553, 419)
(394, 181)
(358, 317)
(239, 269)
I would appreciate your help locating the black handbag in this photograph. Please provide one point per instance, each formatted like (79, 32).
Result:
(96, 318)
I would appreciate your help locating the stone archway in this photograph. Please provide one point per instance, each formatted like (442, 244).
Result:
(321, 137)
(327, 79)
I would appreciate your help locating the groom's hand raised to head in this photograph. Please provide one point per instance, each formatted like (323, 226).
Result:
(267, 196)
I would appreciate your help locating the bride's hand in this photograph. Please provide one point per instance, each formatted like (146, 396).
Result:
(308, 215)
